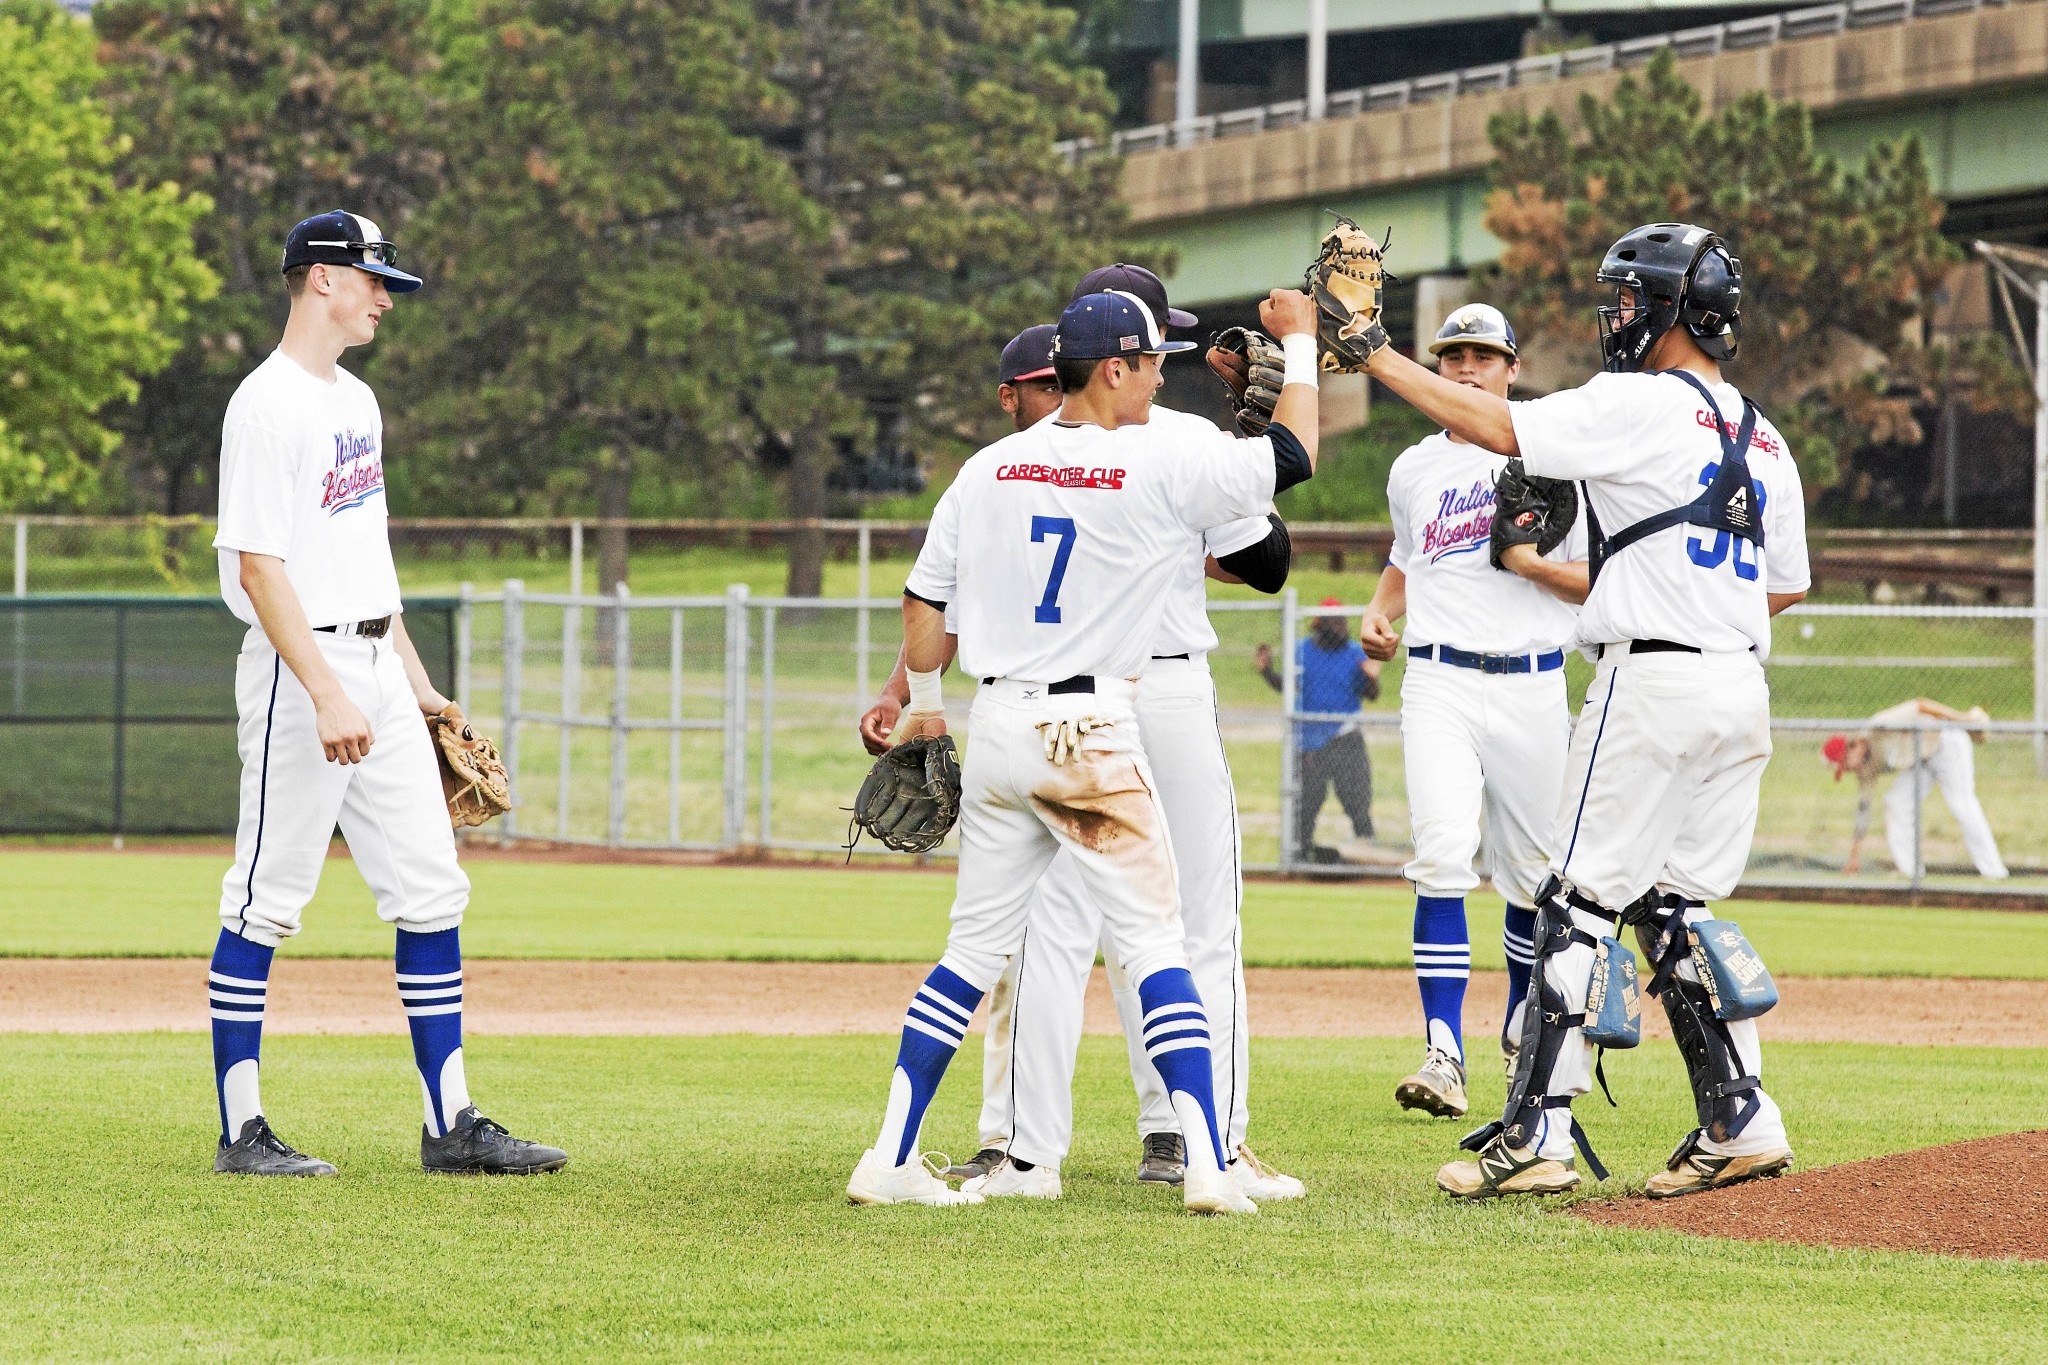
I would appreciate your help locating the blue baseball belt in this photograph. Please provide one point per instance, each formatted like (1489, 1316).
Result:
(1490, 663)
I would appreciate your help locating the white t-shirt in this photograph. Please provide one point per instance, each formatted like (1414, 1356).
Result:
(1058, 547)
(1185, 627)
(302, 478)
(1440, 494)
(1644, 443)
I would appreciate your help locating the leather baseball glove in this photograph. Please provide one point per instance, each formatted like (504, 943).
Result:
(911, 797)
(1528, 510)
(473, 778)
(1252, 369)
(1346, 280)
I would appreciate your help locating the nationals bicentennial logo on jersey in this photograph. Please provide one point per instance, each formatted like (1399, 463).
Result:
(357, 474)
(1463, 521)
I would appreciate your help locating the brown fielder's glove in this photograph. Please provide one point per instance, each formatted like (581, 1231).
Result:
(911, 797)
(1252, 369)
(472, 776)
(1346, 280)
(1528, 510)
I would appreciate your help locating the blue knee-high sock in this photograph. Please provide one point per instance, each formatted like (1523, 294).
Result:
(1518, 940)
(1443, 963)
(933, 1028)
(237, 984)
(1176, 1030)
(430, 989)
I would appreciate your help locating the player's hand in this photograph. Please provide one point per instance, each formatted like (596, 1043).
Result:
(922, 723)
(878, 722)
(1378, 636)
(1287, 312)
(1262, 658)
(344, 731)
(1519, 559)
(432, 703)
(1854, 865)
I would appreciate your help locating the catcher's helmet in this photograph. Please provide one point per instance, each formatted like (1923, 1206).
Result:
(1679, 274)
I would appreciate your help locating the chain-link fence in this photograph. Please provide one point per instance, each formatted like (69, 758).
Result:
(729, 723)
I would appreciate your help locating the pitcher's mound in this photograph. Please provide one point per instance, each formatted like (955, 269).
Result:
(1982, 1198)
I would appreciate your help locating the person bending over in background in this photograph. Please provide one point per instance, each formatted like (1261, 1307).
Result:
(1940, 755)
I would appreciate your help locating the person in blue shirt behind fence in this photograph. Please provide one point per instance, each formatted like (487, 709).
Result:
(1333, 677)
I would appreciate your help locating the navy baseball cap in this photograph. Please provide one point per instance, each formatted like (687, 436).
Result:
(340, 238)
(1134, 279)
(1113, 323)
(1028, 356)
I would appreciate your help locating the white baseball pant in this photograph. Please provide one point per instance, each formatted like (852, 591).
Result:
(389, 806)
(1482, 748)
(1661, 791)
(1035, 1014)
(1951, 764)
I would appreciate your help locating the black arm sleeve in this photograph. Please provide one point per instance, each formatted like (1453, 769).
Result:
(1290, 459)
(939, 607)
(1264, 566)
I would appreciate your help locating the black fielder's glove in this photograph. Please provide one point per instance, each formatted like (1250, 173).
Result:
(911, 797)
(1252, 369)
(1528, 510)
(1348, 280)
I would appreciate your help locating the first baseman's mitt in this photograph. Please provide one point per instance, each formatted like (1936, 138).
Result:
(1252, 369)
(911, 797)
(472, 777)
(1346, 279)
(1529, 510)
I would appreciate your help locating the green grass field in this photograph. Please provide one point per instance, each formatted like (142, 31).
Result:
(702, 1217)
(103, 904)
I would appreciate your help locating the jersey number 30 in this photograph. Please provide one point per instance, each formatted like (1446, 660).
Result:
(1713, 555)
(1048, 613)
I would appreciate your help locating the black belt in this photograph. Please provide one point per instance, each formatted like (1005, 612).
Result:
(375, 629)
(1648, 647)
(1080, 682)
(1160, 658)
(1489, 663)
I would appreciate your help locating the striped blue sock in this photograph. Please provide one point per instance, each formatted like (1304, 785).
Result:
(1443, 963)
(1518, 940)
(1176, 1030)
(933, 1028)
(430, 989)
(237, 985)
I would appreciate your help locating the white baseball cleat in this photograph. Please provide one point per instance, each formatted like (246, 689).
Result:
(1007, 1182)
(1260, 1181)
(876, 1183)
(1214, 1192)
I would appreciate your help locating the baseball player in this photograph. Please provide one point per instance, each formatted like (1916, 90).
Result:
(1484, 719)
(1941, 756)
(1055, 550)
(331, 697)
(1035, 1010)
(1696, 527)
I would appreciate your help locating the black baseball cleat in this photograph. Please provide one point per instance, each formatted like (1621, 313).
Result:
(258, 1151)
(476, 1146)
(980, 1164)
(1165, 1160)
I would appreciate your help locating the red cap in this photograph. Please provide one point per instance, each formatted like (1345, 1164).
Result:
(1835, 750)
(1331, 602)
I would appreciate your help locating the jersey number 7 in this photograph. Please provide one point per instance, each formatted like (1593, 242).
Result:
(1048, 613)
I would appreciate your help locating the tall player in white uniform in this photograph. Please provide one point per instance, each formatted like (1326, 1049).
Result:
(332, 700)
(1484, 718)
(1698, 536)
(1055, 547)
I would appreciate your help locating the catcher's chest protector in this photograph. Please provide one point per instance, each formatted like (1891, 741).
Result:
(1729, 502)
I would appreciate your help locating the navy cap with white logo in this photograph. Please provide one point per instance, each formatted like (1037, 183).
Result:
(1028, 356)
(1134, 279)
(1098, 326)
(342, 238)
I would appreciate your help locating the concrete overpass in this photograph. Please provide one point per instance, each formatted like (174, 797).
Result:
(1245, 207)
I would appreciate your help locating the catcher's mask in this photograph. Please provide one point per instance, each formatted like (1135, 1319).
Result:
(1674, 273)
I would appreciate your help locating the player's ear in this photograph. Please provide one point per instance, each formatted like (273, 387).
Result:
(1006, 396)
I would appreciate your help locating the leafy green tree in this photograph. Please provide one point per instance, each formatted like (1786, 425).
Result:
(277, 110)
(1836, 262)
(924, 131)
(99, 275)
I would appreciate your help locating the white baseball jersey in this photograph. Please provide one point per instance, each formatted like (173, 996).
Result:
(302, 478)
(1440, 495)
(1060, 544)
(1647, 443)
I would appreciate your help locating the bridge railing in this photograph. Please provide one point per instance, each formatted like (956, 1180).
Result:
(1704, 41)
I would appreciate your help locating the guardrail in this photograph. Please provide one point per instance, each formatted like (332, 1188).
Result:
(1704, 41)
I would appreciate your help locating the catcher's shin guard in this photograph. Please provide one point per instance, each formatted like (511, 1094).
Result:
(1724, 1090)
(1546, 1025)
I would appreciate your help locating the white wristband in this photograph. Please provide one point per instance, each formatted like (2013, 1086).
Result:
(1302, 366)
(925, 696)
